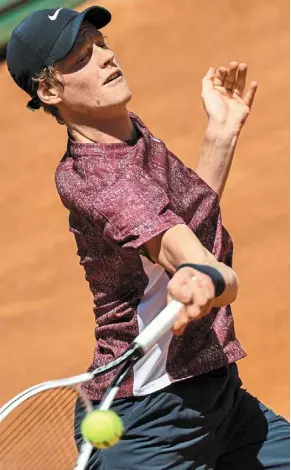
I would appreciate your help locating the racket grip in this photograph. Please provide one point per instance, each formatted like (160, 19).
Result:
(158, 326)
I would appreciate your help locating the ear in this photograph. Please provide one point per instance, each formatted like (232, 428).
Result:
(49, 94)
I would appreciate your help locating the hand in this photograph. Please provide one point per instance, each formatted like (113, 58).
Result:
(223, 96)
(196, 291)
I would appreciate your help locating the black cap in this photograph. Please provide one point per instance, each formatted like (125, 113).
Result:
(43, 38)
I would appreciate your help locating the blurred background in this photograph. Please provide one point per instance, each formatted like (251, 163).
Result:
(164, 47)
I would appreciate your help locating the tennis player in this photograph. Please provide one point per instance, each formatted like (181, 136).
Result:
(148, 229)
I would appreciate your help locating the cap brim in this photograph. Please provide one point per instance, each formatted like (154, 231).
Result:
(98, 16)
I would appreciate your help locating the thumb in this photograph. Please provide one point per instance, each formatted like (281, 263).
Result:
(208, 79)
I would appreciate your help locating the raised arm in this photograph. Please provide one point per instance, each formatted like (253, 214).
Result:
(227, 105)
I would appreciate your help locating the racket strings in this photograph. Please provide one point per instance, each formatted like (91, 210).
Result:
(30, 411)
(41, 448)
(59, 452)
(36, 450)
(39, 434)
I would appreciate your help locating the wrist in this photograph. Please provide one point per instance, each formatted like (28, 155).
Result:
(223, 132)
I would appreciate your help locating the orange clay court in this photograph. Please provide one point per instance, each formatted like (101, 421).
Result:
(164, 47)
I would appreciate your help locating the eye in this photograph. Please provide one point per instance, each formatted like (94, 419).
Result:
(102, 42)
(83, 57)
(104, 45)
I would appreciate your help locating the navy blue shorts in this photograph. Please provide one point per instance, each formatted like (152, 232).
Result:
(208, 422)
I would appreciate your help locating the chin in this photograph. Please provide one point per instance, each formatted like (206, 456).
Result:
(128, 97)
(123, 97)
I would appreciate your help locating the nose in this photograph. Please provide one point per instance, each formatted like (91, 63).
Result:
(104, 57)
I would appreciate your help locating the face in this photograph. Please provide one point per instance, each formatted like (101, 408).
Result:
(92, 81)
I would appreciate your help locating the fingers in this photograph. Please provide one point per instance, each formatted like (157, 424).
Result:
(250, 94)
(220, 75)
(181, 322)
(196, 292)
(233, 80)
(200, 295)
(179, 287)
(230, 78)
(240, 82)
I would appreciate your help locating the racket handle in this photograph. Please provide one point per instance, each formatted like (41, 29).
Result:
(159, 326)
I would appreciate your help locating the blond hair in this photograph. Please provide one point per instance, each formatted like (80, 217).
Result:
(48, 75)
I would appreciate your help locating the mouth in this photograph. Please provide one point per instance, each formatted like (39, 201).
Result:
(113, 77)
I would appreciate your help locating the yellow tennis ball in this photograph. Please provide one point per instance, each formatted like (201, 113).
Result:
(102, 428)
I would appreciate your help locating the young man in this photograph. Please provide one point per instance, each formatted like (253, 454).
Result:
(138, 216)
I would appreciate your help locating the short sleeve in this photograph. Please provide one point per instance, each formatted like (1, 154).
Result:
(129, 212)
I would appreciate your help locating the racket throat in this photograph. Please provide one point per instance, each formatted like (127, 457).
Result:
(137, 354)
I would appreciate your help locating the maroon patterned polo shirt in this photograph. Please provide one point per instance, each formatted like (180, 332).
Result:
(119, 196)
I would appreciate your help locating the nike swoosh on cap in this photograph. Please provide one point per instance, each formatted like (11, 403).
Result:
(54, 16)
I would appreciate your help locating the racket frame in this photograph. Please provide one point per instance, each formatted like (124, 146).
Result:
(139, 347)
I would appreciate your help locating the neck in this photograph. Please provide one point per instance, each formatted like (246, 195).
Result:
(105, 129)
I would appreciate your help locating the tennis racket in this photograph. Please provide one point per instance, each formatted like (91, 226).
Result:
(37, 426)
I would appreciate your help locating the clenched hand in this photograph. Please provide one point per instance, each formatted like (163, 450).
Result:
(193, 289)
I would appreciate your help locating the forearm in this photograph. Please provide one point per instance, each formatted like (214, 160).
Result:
(180, 245)
(215, 156)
